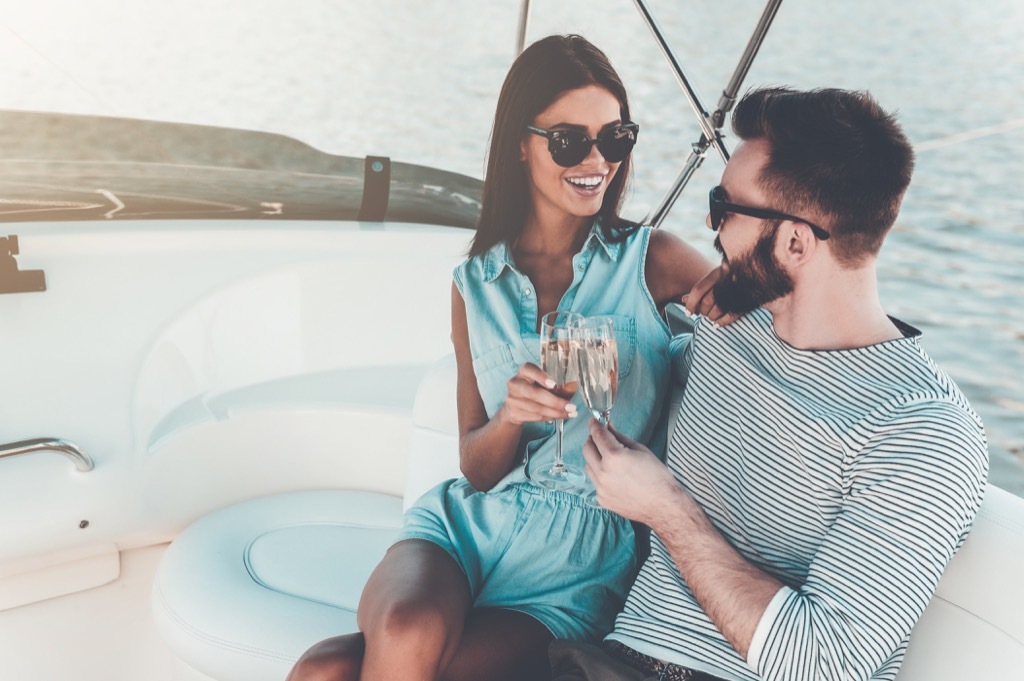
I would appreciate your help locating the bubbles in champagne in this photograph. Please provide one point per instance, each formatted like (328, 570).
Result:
(558, 359)
(599, 366)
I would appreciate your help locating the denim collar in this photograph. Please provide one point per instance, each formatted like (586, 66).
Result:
(499, 256)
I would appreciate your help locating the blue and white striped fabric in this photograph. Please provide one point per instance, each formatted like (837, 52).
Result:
(852, 476)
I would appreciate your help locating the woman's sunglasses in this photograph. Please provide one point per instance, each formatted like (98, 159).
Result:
(718, 207)
(569, 147)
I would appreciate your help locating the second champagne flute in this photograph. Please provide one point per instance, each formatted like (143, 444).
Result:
(599, 372)
(599, 366)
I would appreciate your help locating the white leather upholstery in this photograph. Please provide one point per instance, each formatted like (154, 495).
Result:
(243, 591)
(435, 425)
(974, 626)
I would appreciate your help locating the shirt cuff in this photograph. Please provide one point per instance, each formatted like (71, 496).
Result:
(764, 626)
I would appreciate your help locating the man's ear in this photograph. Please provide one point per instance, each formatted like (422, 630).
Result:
(798, 243)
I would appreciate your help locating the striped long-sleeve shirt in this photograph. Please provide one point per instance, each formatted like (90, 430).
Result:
(852, 476)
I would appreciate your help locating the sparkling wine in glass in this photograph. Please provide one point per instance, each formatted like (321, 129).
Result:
(599, 372)
(599, 366)
(559, 358)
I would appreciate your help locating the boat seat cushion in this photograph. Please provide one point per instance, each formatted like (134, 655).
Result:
(246, 589)
(243, 591)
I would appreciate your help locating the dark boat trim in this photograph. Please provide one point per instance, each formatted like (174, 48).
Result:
(62, 167)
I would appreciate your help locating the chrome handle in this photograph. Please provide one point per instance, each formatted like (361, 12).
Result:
(82, 461)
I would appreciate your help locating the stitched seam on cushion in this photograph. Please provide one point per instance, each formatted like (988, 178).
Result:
(978, 618)
(215, 640)
(252, 571)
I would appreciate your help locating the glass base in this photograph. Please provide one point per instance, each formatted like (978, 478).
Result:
(560, 478)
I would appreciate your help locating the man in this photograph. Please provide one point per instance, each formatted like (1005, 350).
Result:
(822, 471)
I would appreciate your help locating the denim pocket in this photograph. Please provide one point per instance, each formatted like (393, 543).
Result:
(500, 356)
(625, 340)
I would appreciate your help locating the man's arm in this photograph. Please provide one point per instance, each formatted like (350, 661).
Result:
(912, 493)
(633, 483)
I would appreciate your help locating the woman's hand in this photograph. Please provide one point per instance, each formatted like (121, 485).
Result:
(530, 398)
(701, 298)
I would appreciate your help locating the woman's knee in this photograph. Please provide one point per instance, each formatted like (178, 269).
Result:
(410, 622)
(335, 659)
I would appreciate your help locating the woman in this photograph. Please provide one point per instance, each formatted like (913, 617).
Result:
(490, 567)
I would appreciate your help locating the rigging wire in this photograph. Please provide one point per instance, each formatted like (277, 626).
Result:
(71, 79)
(970, 135)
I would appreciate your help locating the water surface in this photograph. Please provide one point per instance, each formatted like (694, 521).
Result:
(418, 82)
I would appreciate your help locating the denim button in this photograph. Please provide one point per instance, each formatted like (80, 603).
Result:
(527, 291)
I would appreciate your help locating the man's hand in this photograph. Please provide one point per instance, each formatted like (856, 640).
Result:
(629, 479)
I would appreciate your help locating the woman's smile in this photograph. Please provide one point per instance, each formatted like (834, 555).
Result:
(587, 185)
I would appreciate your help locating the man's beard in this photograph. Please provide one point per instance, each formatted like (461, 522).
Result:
(754, 279)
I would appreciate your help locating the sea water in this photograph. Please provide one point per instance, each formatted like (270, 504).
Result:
(418, 82)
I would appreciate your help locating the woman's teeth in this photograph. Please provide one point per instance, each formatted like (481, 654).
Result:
(585, 182)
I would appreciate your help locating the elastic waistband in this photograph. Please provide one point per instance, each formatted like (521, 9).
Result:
(564, 498)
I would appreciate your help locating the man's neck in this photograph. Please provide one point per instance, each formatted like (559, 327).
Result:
(835, 312)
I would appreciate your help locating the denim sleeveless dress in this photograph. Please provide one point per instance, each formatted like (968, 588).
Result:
(523, 547)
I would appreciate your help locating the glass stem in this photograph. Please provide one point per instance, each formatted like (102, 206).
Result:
(557, 464)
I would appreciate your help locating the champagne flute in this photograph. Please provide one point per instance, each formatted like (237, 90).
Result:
(599, 372)
(559, 358)
(599, 366)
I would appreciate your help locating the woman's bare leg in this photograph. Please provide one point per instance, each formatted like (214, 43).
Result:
(335, 659)
(411, 616)
(412, 613)
(497, 645)
(501, 645)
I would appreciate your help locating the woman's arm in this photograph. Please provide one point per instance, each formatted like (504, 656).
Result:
(673, 267)
(487, 447)
(677, 273)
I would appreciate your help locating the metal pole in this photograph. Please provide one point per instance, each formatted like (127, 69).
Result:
(693, 162)
(524, 19)
(728, 98)
(702, 115)
(710, 125)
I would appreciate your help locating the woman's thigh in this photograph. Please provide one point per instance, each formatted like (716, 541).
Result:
(413, 573)
(339, 658)
(412, 611)
(501, 645)
(417, 577)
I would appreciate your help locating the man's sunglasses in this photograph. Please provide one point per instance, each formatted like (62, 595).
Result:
(718, 207)
(569, 147)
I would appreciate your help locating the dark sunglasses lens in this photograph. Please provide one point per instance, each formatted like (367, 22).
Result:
(568, 147)
(616, 144)
(715, 208)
